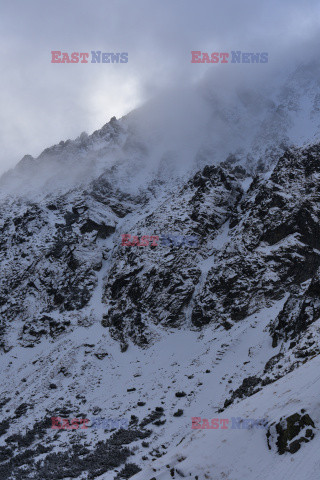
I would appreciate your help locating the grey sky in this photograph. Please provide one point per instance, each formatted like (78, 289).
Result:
(42, 103)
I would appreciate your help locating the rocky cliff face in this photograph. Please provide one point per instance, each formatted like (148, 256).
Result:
(156, 285)
(273, 241)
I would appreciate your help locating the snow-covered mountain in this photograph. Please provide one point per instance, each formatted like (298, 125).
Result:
(222, 326)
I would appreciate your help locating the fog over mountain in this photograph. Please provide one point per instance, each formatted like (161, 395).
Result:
(184, 128)
(43, 103)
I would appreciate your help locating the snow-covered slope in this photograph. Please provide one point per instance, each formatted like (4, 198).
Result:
(238, 453)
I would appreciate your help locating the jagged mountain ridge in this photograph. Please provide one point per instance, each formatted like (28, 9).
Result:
(165, 139)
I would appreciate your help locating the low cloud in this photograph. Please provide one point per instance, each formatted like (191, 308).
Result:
(43, 103)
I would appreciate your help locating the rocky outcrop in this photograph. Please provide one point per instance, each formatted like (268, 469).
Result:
(290, 433)
(299, 312)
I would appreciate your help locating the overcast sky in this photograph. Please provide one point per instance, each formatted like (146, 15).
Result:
(42, 103)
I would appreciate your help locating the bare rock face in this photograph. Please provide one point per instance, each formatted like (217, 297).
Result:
(272, 245)
(151, 285)
(269, 248)
(50, 255)
(290, 433)
(299, 312)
